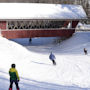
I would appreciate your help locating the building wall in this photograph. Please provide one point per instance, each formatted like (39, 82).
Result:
(11, 34)
(3, 25)
(30, 33)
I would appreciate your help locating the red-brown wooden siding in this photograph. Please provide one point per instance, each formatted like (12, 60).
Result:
(3, 25)
(74, 24)
(10, 34)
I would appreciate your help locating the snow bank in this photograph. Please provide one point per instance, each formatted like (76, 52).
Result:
(83, 26)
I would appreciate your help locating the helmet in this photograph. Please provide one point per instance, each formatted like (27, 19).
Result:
(13, 65)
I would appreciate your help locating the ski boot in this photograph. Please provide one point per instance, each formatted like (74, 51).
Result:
(10, 88)
(18, 89)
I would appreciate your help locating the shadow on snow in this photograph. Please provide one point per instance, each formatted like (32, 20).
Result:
(29, 84)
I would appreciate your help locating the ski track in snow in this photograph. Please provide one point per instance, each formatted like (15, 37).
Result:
(29, 84)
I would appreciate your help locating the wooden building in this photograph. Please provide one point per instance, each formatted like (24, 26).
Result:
(28, 20)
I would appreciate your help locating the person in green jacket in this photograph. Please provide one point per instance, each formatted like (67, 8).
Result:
(14, 77)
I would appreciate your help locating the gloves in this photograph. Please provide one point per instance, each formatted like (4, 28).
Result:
(18, 80)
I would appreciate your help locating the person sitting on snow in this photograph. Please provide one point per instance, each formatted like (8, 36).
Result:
(52, 58)
(14, 77)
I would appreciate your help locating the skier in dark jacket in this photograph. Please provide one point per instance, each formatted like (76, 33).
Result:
(85, 51)
(14, 77)
(52, 58)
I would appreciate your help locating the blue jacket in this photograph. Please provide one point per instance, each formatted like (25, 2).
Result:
(52, 57)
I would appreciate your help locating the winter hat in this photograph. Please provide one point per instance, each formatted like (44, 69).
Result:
(13, 65)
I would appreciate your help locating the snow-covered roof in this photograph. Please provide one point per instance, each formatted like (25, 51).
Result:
(41, 11)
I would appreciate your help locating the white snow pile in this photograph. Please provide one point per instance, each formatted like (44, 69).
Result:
(83, 26)
(36, 71)
(41, 11)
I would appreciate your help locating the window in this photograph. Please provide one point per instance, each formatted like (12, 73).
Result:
(35, 24)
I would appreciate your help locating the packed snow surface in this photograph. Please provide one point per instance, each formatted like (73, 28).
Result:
(36, 71)
(41, 11)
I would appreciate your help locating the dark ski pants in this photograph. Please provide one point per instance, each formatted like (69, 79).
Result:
(85, 52)
(54, 63)
(16, 83)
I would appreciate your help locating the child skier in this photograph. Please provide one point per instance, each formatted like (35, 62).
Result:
(14, 78)
(30, 39)
(52, 58)
(85, 51)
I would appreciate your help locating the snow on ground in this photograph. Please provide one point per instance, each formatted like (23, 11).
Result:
(36, 71)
